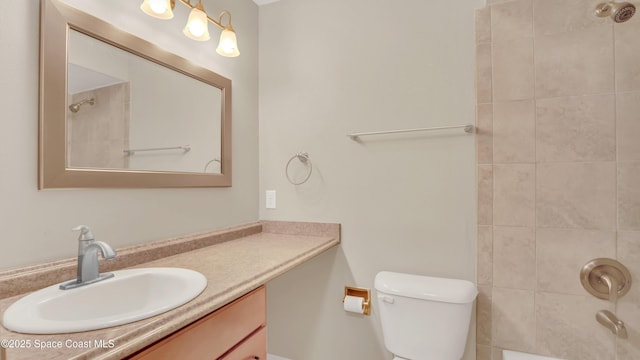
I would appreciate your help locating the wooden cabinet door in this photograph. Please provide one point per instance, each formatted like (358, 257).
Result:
(215, 334)
(252, 348)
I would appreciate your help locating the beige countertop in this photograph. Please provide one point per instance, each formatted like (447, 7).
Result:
(233, 266)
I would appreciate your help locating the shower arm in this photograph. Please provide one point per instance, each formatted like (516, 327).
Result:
(76, 107)
(91, 101)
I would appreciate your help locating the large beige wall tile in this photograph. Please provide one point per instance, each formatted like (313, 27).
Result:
(485, 255)
(496, 353)
(574, 63)
(483, 352)
(514, 132)
(567, 328)
(98, 133)
(576, 195)
(513, 76)
(484, 133)
(561, 254)
(483, 25)
(514, 252)
(580, 195)
(578, 128)
(513, 319)
(627, 48)
(483, 315)
(628, 309)
(513, 196)
(628, 126)
(553, 16)
(484, 74)
(629, 349)
(485, 194)
(629, 255)
(512, 20)
(629, 196)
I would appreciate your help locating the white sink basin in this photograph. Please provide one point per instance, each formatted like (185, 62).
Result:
(129, 296)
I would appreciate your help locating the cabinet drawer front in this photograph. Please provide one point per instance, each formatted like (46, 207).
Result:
(253, 348)
(213, 335)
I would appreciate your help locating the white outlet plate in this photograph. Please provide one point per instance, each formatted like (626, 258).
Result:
(270, 199)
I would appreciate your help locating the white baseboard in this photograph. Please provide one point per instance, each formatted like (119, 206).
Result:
(275, 357)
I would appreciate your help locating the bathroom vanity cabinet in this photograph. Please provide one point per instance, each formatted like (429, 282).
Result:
(227, 321)
(236, 331)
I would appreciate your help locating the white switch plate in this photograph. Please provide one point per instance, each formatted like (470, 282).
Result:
(270, 199)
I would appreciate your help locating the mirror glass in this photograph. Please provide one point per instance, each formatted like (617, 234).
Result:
(129, 113)
(118, 111)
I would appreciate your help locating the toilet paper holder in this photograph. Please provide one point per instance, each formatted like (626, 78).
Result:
(359, 292)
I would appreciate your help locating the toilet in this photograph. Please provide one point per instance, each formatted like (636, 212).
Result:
(422, 317)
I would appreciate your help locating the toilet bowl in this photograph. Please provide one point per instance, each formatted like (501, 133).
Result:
(422, 317)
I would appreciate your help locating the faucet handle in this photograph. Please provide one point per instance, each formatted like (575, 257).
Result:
(85, 233)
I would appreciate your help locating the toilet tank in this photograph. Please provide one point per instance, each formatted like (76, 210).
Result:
(424, 317)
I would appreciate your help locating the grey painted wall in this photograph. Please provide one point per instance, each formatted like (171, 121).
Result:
(36, 224)
(406, 202)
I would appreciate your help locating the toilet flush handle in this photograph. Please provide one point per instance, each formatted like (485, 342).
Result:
(387, 299)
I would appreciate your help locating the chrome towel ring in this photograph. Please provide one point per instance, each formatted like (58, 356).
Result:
(304, 158)
(211, 162)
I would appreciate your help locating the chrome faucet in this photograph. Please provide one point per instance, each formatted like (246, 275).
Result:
(88, 266)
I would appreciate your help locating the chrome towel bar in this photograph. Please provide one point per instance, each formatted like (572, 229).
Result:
(185, 148)
(468, 128)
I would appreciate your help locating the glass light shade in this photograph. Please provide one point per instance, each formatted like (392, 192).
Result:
(197, 26)
(160, 9)
(228, 45)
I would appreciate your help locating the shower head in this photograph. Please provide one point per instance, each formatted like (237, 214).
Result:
(619, 11)
(76, 107)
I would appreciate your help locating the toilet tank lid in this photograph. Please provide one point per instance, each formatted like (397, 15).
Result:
(426, 287)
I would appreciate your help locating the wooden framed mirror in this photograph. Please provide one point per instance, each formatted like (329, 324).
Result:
(117, 111)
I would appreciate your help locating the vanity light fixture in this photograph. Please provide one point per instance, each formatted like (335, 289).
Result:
(161, 9)
(197, 27)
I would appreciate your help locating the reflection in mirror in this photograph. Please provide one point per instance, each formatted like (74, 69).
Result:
(118, 111)
(126, 112)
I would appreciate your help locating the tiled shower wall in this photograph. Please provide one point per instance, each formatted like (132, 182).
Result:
(558, 115)
(97, 134)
